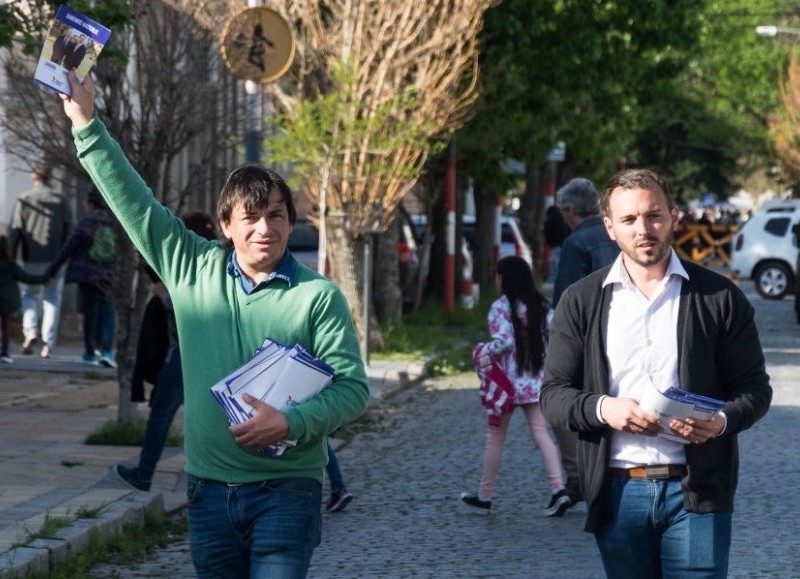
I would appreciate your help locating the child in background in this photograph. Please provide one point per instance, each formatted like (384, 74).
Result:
(518, 322)
(10, 300)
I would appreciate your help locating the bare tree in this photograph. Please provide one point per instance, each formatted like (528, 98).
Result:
(411, 77)
(166, 104)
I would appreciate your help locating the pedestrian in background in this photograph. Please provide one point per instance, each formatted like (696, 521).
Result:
(519, 326)
(555, 231)
(158, 361)
(657, 507)
(340, 496)
(40, 224)
(586, 249)
(10, 302)
(95, 280)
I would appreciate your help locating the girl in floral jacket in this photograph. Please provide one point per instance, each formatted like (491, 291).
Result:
(518, 322)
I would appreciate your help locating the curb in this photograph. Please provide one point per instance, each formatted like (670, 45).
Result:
(42, 554)
(395, 381)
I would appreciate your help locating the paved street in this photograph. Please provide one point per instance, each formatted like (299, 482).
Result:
(425, 447)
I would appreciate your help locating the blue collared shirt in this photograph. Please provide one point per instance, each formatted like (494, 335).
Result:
(284, 271)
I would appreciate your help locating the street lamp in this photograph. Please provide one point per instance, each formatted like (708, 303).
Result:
(775, 30)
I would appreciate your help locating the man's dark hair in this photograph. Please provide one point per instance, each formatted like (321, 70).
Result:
(637, 179)
(94, 198)
(251, 185)
(201, 223)
(43, 172)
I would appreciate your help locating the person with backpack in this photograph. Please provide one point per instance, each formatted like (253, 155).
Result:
(511, 370)
(92, 254)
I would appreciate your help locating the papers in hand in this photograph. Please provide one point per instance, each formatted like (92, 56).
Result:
(73, 42)
(278, 375)
(676, 403)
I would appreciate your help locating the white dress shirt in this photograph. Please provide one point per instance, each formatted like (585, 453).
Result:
(642, 348)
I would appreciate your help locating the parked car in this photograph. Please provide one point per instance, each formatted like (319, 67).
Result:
(469, 293)
(765, 250)
(304, 245)
(512, 242)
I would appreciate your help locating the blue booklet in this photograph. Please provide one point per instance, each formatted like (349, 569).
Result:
(278, 375)
(673, 402)
(73, 42)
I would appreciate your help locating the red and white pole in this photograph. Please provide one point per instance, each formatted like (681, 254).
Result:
(450, 256)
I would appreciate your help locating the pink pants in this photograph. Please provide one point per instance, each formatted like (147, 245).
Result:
(495, 441)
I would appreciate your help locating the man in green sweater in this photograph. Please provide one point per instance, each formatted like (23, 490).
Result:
(249, 515)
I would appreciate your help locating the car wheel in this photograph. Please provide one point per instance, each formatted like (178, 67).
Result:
(773, 280)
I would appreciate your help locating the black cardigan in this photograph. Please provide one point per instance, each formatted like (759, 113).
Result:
(719, 355)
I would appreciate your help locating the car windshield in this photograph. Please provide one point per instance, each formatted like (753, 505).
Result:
(304, 237)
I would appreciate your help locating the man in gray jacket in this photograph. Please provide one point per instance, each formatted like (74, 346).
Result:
(657, 505)
(39, 226)
(586, 249)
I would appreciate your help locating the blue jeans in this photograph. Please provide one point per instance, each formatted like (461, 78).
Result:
(334, 471)
(167, 398)
(97, 306)
(652, 535)
(264, 530)
(46, 298)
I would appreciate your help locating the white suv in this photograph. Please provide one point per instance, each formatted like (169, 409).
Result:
(764, 249)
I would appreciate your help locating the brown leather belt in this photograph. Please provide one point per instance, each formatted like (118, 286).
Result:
(653, 471)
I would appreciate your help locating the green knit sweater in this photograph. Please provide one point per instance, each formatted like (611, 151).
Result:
(220, 327)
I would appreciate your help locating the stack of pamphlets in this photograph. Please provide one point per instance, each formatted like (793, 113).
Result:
(677, 403)
(278, 375)
(73, 42)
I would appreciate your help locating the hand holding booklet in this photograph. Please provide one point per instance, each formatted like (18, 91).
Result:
(278, 375)
(677, 403)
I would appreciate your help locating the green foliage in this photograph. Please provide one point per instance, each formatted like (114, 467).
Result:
(321, 133)
(683, 86)
(113, 433)
(581, 72)
(710, 127)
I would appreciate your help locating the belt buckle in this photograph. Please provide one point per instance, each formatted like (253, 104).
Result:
(657, 471)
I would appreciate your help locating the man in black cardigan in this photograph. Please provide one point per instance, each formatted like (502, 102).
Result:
(656, 506)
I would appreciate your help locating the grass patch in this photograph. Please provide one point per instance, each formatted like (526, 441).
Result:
(49, 528)
(128, 547)
(52, 525)
(112, 433)
(431, 332)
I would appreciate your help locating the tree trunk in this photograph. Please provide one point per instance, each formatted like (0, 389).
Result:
(346, 256)
(531, 215)
(484, 239)
(130, 298)
(386, 292)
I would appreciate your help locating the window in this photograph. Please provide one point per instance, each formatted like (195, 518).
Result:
(777, 226)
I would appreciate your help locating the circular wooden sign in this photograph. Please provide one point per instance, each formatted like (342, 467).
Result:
(257, 44)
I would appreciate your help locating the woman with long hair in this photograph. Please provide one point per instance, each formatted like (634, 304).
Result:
(518, 323)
